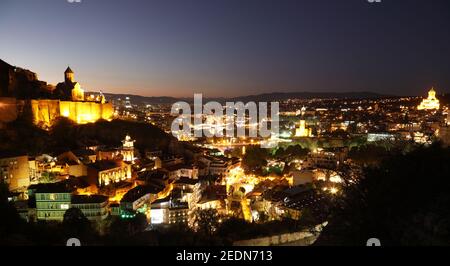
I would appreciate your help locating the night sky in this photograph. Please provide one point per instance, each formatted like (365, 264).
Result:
(232, 47)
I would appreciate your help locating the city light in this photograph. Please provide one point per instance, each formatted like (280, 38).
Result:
(225, 124)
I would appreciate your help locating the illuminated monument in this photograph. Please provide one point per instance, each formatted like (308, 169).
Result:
(302, 131)
(71, 103)
(76, 92)
(430, 103)
(128, 149)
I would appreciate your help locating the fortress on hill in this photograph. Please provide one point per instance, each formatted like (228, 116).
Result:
(72, 103)
(21, 90)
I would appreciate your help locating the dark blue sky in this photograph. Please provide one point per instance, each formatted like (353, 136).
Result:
(232, 47)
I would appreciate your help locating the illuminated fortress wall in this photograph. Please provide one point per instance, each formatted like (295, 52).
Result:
(45, 112)
(86, 112)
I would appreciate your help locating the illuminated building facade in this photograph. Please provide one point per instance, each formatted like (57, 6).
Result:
(444, 131)
(51, 204)
(14, 171)
(128, 149)
(373, 137)
(174, 215)
(94, 207)
(302, 131)
(431, 103)
(103, 173)
(72, 103)
(125, 152)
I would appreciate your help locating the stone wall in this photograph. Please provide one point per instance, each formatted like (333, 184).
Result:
(301, 238)
(45, 112)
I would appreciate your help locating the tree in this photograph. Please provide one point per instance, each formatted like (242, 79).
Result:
(404, 201)
(369, 154)
(339, 133)
(76, 224)
(10, 224)
(63, 133)
(47, 177)
(124, 228)
(138, 223)
(177, 235)
(292, 151)
(207, 221)
(254, 159)
(297, 151)
(233, 229)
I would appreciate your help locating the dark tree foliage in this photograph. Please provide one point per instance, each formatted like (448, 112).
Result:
(21, 135)
(369, 154)
(75, 224)
(292, 152)
(112, 133)
(340, 133)
(404, 201)
(10, 222)
(14, 231)
(207, 221)
(254, 159)
(63, 133)
(180, 235)
(125, 231)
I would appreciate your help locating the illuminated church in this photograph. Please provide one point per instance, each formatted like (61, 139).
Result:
(72, 103)
(302, 131)
(76, 92)
(128, 149)
(430, 103)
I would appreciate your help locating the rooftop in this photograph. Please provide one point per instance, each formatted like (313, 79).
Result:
(187, 181)
(105, 165)
(140, 191)
(59, 187)
(68, 70)
(212, 193)
(82, 199)
(83, 152)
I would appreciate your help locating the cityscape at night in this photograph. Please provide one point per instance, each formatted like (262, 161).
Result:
(213, 123)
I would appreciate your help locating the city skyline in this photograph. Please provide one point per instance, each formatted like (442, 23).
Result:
(232, 48)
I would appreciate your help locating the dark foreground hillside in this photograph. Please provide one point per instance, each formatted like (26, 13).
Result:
(23, 136)
(405, 201)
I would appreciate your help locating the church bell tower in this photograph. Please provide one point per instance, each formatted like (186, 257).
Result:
(68, 75)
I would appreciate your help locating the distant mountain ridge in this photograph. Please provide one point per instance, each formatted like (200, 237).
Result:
(24, 84)
(311, 95)
(265, 97)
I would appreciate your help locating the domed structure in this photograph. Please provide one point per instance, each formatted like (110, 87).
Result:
(431, 103)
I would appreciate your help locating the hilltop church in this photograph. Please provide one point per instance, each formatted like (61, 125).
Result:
(72, 103)
(22, 93)
(69, 89)
(430, 103)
